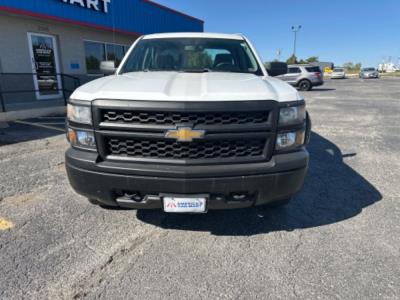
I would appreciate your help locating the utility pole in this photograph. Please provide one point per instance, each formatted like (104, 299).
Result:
(295, 29)
(278, 54)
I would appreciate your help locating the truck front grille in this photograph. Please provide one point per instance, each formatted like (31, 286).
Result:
(195, 118)
(235, 132)
(196, 150)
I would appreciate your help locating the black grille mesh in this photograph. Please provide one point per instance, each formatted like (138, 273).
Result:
(166, 149)
(195, 118)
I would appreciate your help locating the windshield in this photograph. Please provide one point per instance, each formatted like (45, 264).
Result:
(368, 69)
(337, 70)
(192, 55)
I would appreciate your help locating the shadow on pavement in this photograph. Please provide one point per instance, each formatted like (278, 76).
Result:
(32, 129)
(333, 192)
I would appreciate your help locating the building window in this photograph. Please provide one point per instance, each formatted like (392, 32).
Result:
(115, 53)
(96, 52)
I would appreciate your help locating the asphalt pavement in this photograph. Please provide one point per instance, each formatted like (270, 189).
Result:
(338, 238)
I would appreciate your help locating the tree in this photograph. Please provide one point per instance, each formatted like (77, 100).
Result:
(348, 66)
(200, 60)
(312, 59)
(352, 67)
(292, 60)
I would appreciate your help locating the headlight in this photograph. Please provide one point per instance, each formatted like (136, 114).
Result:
(292, 115)
(290, 140)
(82, 139)
(79, 114)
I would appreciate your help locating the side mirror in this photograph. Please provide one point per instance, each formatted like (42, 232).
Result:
(108, 67)
(276, 68)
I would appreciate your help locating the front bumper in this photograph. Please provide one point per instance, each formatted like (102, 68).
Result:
(370, 75)
(338, 76)
(261, 183)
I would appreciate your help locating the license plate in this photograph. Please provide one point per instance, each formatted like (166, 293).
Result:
(181, 204)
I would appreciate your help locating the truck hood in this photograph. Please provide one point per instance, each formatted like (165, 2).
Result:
(176, 86)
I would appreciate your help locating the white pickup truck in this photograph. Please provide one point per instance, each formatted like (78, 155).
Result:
(187, 123)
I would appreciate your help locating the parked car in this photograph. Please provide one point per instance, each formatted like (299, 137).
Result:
(369, 73)
(189, 122)
(338, 73)
(304, 77)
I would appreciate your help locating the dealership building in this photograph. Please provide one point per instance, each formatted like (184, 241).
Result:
(48, 41)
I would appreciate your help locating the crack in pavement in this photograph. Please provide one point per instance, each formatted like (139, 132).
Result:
(292, 272)
(115, 261)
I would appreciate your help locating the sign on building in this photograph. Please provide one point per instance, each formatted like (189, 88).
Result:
(98, 5)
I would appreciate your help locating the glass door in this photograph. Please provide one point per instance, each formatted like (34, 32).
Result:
(45, 66)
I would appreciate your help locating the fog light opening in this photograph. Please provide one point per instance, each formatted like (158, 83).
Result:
(241, 196)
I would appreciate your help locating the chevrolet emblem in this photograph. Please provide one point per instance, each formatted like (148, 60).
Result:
(185, 134)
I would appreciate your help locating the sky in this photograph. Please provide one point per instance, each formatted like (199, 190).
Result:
(339, 31)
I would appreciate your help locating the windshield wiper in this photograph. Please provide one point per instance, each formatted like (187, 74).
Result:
(205, 70)
(157, 70)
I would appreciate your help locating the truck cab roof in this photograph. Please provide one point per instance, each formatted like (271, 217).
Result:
(208, 35)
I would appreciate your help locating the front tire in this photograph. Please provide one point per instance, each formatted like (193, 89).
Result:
(305, 85)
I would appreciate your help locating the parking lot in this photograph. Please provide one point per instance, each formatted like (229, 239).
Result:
(339, 238)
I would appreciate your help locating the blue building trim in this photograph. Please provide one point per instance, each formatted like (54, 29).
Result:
(125, 16)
